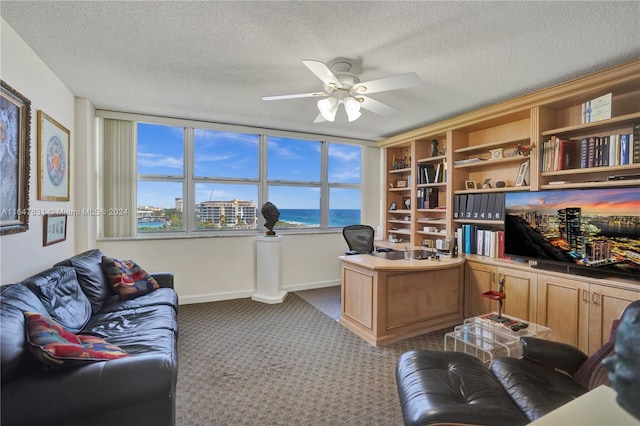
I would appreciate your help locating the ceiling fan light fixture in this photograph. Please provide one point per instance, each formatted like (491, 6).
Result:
(352, 107)
(328, 108)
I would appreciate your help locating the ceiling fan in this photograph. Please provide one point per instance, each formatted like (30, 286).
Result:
(342, 86)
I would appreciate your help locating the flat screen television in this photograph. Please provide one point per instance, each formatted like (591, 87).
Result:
(592, 232)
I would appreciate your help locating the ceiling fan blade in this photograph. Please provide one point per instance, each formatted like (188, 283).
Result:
(299, 95)
(400, 81)
(322, 72)
(319, 119)
(377, 106)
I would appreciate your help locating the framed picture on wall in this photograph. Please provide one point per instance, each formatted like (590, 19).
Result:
(15, 134)
(53, 159)
(54, 229)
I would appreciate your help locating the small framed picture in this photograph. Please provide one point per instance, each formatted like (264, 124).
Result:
(53, 159)
(470, 184)
(392, 206)
(54, 229)
(522, 178)
(401, 184)
(407, 202)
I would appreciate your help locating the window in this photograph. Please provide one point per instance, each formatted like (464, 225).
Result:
(160, 168)
(194, 180)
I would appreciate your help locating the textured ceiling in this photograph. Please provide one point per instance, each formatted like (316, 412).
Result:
(214, 61)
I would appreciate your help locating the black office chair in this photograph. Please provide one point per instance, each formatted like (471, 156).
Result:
(359, 238)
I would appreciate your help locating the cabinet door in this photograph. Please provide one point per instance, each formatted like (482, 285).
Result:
(563, 306)
(479, 278)
(606, 305)
(521, 290)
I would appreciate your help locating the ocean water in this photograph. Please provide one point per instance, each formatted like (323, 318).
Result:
(311, 217)
(308, 217)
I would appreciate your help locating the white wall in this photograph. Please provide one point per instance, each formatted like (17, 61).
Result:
(22, 254)
(205, 269)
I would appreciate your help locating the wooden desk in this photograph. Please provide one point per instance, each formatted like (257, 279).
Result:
(384, 301)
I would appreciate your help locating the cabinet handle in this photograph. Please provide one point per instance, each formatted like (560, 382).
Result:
(493, 277)
(585, 296)
(594, 298)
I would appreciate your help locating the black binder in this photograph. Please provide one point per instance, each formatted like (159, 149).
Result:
(491, 204)
(482, 213)
(498, 208)
(469, 208)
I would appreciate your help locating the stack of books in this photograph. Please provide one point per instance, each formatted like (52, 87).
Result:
(487, 206)
(484, 242)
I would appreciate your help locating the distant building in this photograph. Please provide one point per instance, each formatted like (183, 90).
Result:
(179, 204)
(227, 213)
(569, 221)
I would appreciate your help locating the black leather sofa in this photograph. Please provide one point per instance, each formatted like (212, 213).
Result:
(437, 387)
(136, 390)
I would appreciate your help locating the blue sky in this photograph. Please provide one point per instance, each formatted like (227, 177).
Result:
(236, 155)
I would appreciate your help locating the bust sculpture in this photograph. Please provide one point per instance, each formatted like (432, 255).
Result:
(271, 215)
(434, 147)
(624, 365)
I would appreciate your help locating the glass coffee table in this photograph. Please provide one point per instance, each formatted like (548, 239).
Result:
(486, 339)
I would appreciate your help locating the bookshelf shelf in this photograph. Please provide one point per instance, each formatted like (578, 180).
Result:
(435, 159)
(400, 189)
(491, 145)
(491, 163)
(601, 184)
(589, 170)
(431, 185)
(602, 125)
(400, 171)
(437, 210)
(480, 222)
(506, 189)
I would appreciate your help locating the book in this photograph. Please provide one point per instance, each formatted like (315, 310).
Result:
(584, 153)
(500, 244)
(428, 173)
(430, 198)
(469, 160)
(636, 143)
(624, 149)
(479, 242)
(591, 153)
(566, 154)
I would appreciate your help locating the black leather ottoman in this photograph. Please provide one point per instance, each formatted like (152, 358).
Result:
(452, 387)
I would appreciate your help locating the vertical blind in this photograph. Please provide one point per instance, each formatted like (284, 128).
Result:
(119, 178)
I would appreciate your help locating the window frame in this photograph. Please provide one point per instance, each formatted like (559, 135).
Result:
(189, 180)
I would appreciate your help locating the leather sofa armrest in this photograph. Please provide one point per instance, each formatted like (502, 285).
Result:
(164, 279)
(554, 354)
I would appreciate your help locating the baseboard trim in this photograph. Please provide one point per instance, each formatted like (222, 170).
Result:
(217, 297)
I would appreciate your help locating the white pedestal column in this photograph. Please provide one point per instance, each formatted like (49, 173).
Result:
(269, 252)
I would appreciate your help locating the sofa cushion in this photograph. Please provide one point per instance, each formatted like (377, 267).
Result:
(54, 346)
(14, 355)
(592, 373)
(127, 278)
(91, 277)
(159, 297)
(60, 293)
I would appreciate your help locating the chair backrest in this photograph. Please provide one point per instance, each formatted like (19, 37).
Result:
(359, 238)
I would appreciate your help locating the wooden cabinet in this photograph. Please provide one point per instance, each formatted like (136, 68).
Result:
(519, 286)
(479, 278)
(581, 312)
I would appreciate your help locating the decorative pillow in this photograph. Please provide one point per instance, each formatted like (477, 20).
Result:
(592, 373)
(127, 278)
(54, 346)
